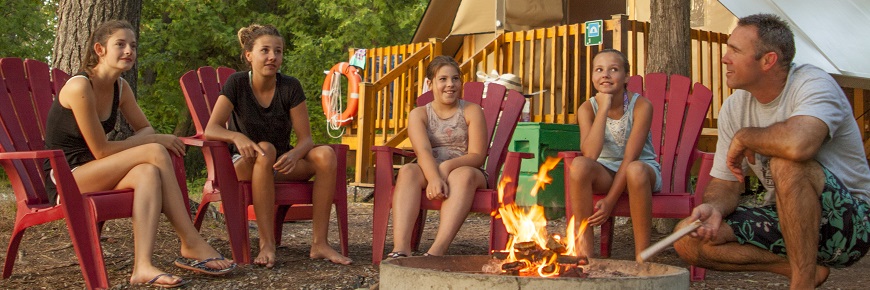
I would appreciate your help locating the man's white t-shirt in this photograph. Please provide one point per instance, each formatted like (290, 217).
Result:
(809, 91)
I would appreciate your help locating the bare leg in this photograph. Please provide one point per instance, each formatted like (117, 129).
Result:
(640, 179)
(587, 177)
(406, 205)
(726, 254)
(320, 162)
(259, 171)
(462, 183)
(148, 170)
(798, 187)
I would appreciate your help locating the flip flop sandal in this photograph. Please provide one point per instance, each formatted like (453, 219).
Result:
(200, 267)
(153, 282)
(395, 255)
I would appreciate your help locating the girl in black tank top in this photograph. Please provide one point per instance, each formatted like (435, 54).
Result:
(84, 111)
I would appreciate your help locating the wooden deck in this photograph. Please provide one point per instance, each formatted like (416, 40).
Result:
(552, 59)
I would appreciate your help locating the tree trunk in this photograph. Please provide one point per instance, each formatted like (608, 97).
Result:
(670, 51)
(670, 48)
(75, 22)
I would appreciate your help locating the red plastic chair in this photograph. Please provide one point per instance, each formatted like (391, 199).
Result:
(485, 200)
(201, 90)
(675, 143)
(26, 93)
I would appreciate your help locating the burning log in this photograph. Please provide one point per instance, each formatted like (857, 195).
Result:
(514, 268)
(574, 272)
(572, 260)
(555, 245)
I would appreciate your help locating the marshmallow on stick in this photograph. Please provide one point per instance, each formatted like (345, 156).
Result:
(660, 245)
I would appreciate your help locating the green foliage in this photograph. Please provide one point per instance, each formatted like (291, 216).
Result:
(28, 28)
(179, 35)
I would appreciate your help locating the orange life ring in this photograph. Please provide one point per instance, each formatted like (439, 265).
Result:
(353, 79)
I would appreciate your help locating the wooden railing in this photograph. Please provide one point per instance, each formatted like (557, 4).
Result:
(552, 59)
(396, 73)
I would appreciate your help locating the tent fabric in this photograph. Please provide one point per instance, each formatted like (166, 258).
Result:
(436, 20)
(526, 15)
(474, 17)
(481, 16)
(830, 35)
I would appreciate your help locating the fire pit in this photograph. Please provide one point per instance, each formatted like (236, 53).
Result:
(465, 272)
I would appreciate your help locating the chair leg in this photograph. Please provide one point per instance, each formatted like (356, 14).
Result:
(280, 213)
(201, 211)
(99, 227)
(380, 218)
(341, 218)
(498, 235)
(697, 273)
(236, 219)
(417, 234)
(12, 250)
(606, 237)
(84, 233)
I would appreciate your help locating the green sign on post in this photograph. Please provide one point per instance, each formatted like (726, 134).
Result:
(594, 32)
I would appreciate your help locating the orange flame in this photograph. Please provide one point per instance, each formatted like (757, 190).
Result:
(530, 225)
(542, 179)
(574, 236)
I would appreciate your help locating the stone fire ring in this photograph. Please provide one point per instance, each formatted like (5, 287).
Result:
(464, 272)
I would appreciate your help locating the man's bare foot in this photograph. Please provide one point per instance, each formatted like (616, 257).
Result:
(326, 252)
(203, 252)
(821, 275)
(266, 256)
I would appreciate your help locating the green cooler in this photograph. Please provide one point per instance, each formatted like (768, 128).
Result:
(544, 140)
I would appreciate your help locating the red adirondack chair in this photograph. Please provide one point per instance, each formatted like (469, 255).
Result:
(675, 143)
(485, 200)
(26, 93)
(201, 90)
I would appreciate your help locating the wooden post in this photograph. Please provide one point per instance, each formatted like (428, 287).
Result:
(365, 138)
(620, 32)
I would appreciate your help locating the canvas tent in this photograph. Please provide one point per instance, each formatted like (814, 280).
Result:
(830, 35)
(449, 20)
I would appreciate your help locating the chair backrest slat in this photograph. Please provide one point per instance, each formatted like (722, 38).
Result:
(678, 116)
(20, 90)
(201, 90)
(698, 104)
(26, 94)
(39, 79)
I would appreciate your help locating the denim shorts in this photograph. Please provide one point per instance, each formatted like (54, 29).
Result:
(843, 228)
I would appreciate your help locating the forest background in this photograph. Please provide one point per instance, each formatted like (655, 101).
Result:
(176, 36)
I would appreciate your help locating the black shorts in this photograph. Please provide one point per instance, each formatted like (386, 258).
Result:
(843, 228)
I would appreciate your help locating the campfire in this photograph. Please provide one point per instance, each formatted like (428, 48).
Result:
(531, 251)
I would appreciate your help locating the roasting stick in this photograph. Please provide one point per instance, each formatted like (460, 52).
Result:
(667, 241)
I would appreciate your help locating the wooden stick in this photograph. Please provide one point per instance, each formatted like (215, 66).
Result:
(660, 245)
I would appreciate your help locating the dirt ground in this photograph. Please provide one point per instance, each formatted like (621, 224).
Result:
(47, 261)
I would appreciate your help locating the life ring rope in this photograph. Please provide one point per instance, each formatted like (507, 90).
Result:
(333, 123)
(336, 116)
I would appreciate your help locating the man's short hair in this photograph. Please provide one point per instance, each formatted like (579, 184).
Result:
(773, 35)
